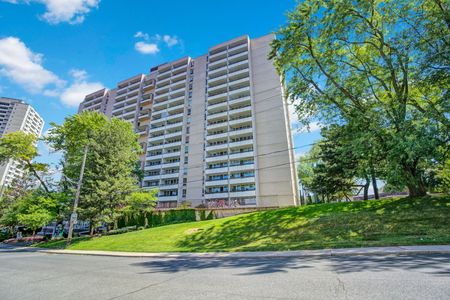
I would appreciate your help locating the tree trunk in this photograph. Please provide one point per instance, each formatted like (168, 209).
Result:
(374, 183)
(145, 220)
(35, 173)
(416, 186)
(366, 188)
(91, 228)
(417, 190)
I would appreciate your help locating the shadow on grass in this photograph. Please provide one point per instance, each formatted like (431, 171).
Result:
(433, 264)
(367, 223)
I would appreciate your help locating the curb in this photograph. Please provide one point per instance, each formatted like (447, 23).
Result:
(400, 250)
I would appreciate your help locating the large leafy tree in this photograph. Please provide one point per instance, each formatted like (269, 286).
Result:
(21, 147)
(109, 172)
(365, 63)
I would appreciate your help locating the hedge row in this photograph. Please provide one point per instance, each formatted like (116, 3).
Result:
(163, 218)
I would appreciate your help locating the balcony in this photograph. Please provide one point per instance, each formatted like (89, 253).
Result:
(174, 125)
(154, 157)
(173, 144)
(172, 135)
(172, 154)
(218, 53)
(238, 66)
(216, 182)
(156, 129)
(239, 155)
(243, 120)
(240, 110)
(217, 125)
(249, 167)
(217, 115)
(241, 143)
(174, 108)
(153, 167)
(216, 195)
(155, 147)
(220, 158)
(167, 198)
(243, 131)
(171, 165)
(151, 177)
(156, 138)
(217, 72)
(216, 170)
(243, 194)
(218, 56)
(163, 187)
(217, 64)
(217, 80)
(170, 175)
(241, 100)
(237, 57)
(221, 96)
(242, 180)
(217, 107)
(217, 136)
(237, 49)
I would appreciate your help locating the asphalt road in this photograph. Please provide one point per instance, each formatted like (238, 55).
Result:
(33, 275)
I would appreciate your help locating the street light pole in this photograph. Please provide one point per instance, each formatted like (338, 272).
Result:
(73, 216)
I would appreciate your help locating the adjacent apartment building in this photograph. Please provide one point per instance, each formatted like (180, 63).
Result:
(215, 128)
(16, 115)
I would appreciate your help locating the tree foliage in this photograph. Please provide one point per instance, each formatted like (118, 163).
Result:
(112, 155)
(21, 147)
(142, 202)
(369, 63)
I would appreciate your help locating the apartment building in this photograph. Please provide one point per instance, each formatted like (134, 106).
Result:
(216, 127)
(16, 115)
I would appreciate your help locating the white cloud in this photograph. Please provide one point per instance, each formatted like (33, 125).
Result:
(141, 34)
(58, 11)
(24, 67)
(146, 48)
(297, 127)
(293, 118)
(74, 94)
(78, 75)
(170, 40)
(150, 45)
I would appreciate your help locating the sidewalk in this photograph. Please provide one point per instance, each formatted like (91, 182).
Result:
(395, 250)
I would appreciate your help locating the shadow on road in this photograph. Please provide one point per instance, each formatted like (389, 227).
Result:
(434, 264)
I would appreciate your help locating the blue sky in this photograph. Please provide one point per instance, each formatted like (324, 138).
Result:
(53, 52)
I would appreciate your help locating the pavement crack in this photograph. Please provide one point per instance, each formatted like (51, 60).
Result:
(148, 286)
(341, 287)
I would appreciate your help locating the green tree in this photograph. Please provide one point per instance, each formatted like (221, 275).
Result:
(21, 147)
(361, 62)
(142, 202)
(109, 174)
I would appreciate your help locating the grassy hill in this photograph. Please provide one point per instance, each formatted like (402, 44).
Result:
(401, 221)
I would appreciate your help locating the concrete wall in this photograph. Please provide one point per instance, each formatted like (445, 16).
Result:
(276, 181)
(197, 134)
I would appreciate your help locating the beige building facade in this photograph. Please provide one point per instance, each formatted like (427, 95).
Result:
(215, 128)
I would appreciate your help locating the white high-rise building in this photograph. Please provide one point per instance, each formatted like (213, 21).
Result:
(16, 115)
(216, 127)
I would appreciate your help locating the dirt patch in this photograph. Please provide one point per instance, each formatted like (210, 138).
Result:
(193, 230)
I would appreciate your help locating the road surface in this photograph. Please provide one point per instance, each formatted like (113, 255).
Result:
(34, 275)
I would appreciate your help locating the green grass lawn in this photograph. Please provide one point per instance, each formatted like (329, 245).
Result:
(401, 221)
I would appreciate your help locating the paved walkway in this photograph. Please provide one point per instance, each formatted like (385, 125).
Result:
(394, 250)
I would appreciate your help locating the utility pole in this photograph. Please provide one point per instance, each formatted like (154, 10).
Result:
(73, 216)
